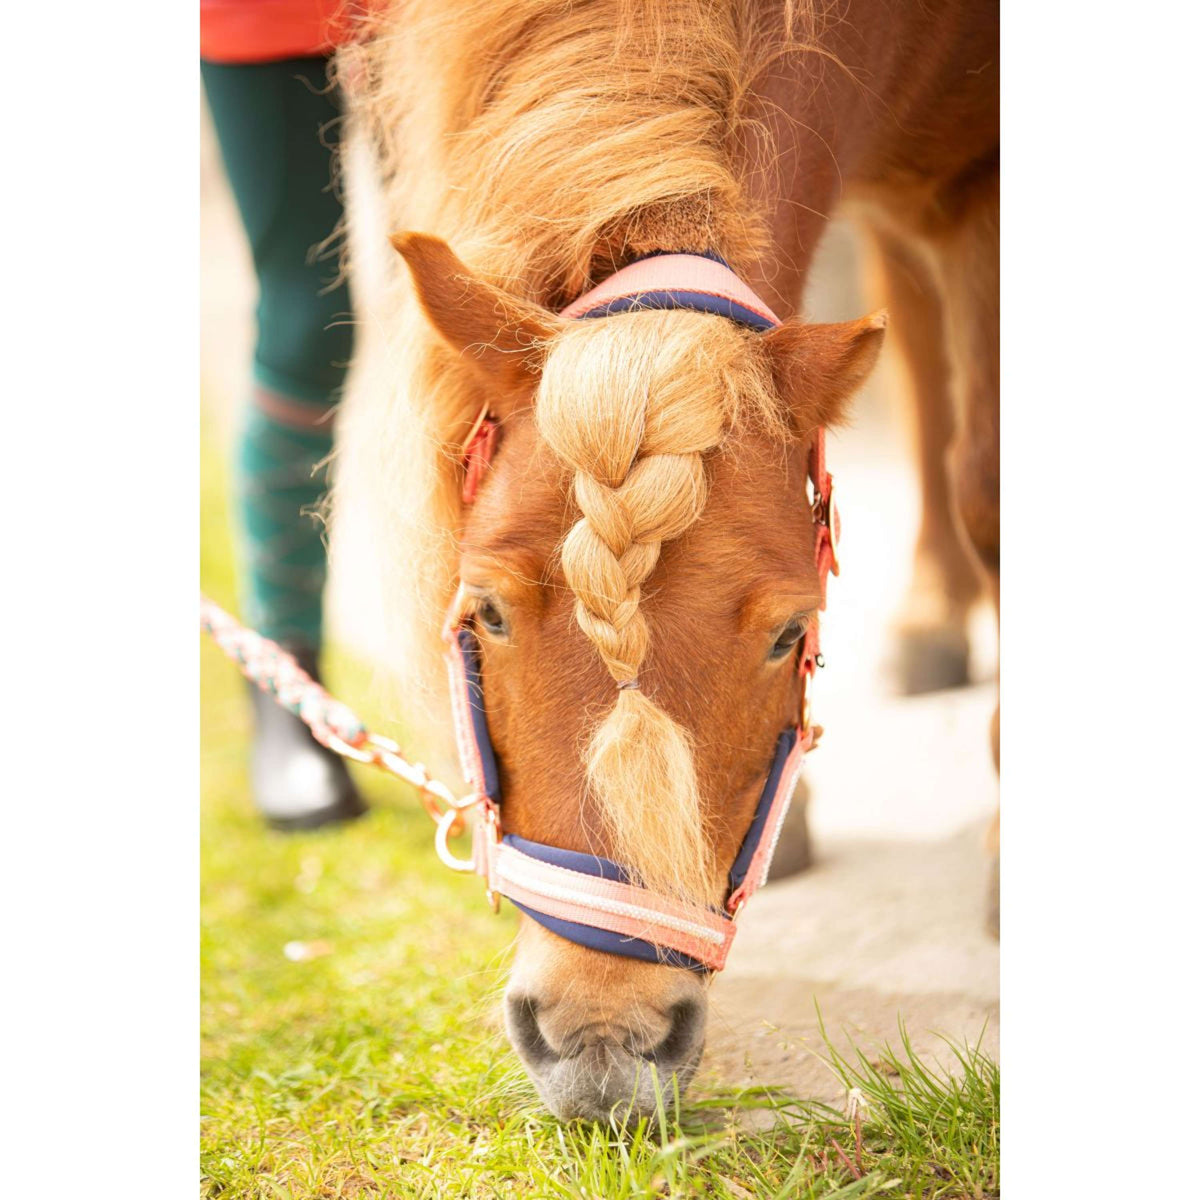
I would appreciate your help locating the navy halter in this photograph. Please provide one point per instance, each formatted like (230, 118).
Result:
(593, 864)
(612, 907)
(683, 298)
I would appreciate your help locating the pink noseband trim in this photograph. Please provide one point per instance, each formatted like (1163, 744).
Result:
(623, 908)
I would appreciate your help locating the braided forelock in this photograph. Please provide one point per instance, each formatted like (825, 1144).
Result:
(632, 404)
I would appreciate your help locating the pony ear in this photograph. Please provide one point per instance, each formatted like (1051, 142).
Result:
(818, 368)
(501, 336)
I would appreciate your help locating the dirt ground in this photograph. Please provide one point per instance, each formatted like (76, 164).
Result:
(888, 925)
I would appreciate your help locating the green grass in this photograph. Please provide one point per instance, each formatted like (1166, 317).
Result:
(378, 1067)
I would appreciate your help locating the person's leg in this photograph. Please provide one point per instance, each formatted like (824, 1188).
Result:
(277, 123)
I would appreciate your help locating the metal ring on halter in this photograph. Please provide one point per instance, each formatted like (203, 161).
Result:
(444, 832)
(817, 507)
(458, 807)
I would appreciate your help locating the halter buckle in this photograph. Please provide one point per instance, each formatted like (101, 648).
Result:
(825, 516)
(478, 448)
(488, 828)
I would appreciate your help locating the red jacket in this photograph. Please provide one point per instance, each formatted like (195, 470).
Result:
(249, 31)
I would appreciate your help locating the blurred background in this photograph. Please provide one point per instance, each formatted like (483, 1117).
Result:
(887, 925)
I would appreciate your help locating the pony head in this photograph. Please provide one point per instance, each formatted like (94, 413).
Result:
(639, 568)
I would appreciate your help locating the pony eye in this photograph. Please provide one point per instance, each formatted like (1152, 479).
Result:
(490, 617)
(788, 639)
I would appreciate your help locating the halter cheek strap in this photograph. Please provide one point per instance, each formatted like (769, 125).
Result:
(582, 897)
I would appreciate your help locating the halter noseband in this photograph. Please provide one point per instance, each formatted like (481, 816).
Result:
(584, 898)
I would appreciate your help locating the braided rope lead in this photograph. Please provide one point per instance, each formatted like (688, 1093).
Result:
(278, 674)
(333, 724)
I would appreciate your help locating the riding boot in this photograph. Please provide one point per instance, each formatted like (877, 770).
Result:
(298, 783)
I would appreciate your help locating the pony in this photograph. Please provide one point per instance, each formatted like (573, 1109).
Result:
(639, 559)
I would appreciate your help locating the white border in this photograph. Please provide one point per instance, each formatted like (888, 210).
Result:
(100, 644)
(1098, 657)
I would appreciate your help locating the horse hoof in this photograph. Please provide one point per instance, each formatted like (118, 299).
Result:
(793, 851)
(930, 660)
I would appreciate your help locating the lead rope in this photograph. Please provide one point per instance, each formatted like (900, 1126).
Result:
(267, 665)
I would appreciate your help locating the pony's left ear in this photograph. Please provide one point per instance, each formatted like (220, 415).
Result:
(818, 368)
(501, 336)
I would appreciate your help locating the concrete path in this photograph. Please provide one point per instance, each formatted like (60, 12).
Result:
(888, 925)
(878, 932)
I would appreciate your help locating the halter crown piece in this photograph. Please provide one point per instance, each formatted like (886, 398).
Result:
(584, 898)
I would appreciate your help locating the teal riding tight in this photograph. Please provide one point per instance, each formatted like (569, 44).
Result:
(277, 124)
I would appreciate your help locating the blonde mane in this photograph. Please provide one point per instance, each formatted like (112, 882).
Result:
(548, 142)
(632, 405)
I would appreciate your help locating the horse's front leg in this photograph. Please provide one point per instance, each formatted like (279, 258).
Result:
(931, 644)
(968, 257)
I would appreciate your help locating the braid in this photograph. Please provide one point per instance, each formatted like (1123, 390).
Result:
(632, 405)
(614, 547)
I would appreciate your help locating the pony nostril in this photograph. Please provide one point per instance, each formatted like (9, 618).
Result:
(603, 1067)
(525, 1033)
(687, 1029)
